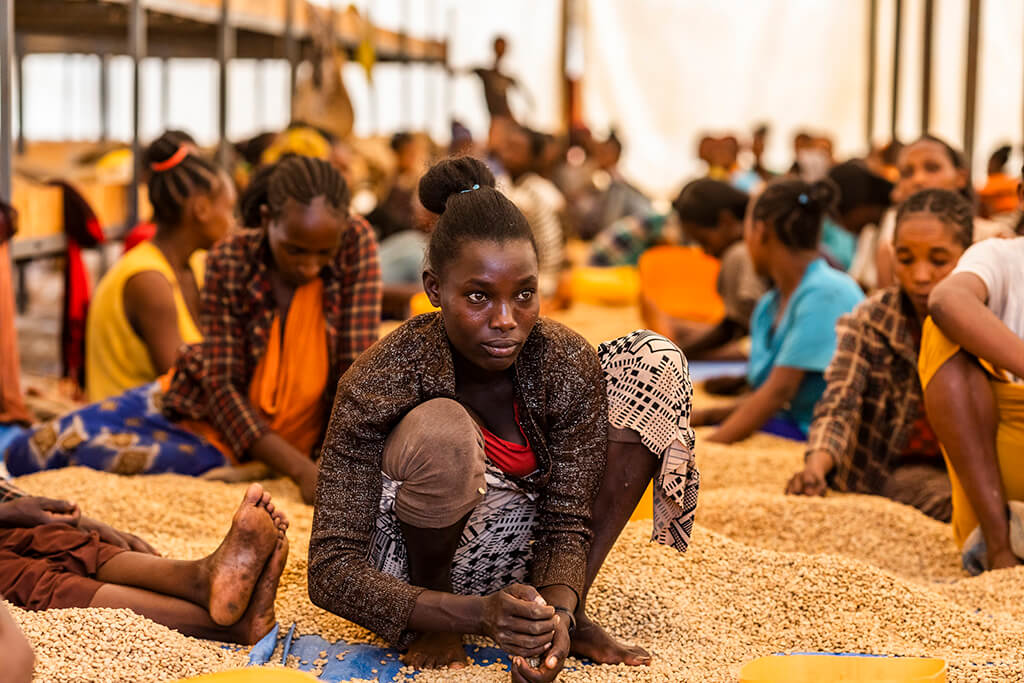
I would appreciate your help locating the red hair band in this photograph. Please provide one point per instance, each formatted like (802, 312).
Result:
(175, 159)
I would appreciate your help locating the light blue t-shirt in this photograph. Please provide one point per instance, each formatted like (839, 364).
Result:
(401, 257)
(805, 337)
(840, 244)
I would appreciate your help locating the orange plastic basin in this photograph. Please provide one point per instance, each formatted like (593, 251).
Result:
(682, 282)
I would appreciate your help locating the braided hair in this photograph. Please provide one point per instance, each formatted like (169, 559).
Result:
(949, 207)
(177, 172)
(794, 210)
(303, 179)
(254, 198)
(461, 191)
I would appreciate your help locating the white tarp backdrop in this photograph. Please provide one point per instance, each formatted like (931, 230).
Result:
(666, 71)
(662, 71)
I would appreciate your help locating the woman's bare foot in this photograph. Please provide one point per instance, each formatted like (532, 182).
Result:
(236, 565)
(590, 640)
(259, 617)
(436, 651)
(280, 520)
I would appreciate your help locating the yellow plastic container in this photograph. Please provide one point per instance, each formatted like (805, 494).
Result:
(420, 304)
(823, 668)
(253, 675)
(645, 508)
(618, 286)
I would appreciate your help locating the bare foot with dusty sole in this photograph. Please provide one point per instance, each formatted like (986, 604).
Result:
(236, 566)
(259, 617)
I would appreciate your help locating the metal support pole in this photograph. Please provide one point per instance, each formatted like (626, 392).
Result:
(449, 79)
(564, 83)
(225, 52)
(406, 92)
(259, 99)
(104, 98)
(137, 49)
(19, 65)
(971, 80)
(897, 39)
(291, 52)
(21, 295)
(926, 66)
(6, 94)
(165, 93)
(433, 96)
(869, 128)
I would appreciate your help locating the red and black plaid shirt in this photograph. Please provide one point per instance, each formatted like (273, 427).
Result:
(866, 418)
(237, 307)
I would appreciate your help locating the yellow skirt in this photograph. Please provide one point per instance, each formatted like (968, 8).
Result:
(936, 349)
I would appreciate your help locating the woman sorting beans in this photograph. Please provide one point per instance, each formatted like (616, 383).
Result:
(870, 432)
(467, 449)
(285, 309)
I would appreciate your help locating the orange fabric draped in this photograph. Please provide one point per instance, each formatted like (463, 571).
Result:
(288, 385)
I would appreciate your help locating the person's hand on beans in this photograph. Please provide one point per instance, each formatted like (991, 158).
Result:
(807, 482)
(519, 620)
(31, 511)
(551, 662)
(110, 535)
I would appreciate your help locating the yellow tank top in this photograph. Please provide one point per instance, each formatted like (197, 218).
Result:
(116, 358)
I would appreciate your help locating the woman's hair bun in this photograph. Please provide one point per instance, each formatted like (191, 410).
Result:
(823, 195)
(449, 177)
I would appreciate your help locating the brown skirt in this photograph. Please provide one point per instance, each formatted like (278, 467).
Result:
(51, 566)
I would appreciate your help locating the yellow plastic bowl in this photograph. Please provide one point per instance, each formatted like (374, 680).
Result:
(253, 675)
(819, 668)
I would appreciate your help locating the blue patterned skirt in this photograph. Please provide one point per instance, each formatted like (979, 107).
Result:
(126, 434)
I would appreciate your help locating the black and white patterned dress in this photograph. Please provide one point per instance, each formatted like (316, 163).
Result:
(649, 391)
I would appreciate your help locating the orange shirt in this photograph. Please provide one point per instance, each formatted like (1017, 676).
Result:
(999, 194)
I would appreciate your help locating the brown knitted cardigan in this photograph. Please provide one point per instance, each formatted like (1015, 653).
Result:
(560, 390)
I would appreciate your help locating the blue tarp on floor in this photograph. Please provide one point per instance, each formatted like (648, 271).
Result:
(357, 661)
(701, 370)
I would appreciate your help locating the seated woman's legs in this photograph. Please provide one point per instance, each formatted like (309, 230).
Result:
(437, 454)
(228, 595)
(649, 397)
(629, 470)
(962, 410)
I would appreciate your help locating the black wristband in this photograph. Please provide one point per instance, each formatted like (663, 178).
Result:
(572, 618)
